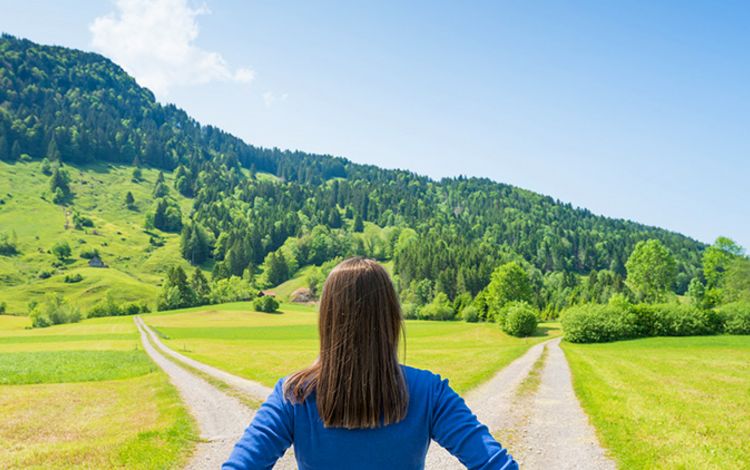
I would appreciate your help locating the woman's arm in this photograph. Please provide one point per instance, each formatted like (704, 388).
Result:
(459, 431)
(267, 438)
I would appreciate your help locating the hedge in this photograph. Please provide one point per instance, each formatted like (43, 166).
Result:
(592, 323)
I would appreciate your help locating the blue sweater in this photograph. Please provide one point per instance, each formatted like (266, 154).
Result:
(435, 412)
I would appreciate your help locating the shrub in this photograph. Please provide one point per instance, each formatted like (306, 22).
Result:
(619, 320)
(80, 221)
(230, 289)
(3, 307)
(266, 304)
(45, 274)
(470, 314)
(73, 278)
(62, 250)
(675, 320)
(591, 323)
(88, 253)
(735, 318)
(110, 308)
(439, 309)
(410, 310)
(55, 310)
(520, 319)
(8, 245)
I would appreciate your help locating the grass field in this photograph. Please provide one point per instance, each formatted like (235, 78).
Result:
(86, 396)
(135, 267)
(668, 402)
(265, 347)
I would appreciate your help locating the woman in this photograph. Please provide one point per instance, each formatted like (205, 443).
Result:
(356, 407)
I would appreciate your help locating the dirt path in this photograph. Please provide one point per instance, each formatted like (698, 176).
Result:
(557, 433)
(221, 418)
(255, 390)
(492, 402)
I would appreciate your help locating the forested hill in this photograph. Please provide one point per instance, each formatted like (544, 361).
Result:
(80, 108)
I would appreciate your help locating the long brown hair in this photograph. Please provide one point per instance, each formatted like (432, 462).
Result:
(357, 379)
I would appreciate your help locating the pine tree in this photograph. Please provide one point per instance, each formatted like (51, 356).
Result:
(130, 201)
(52, 152)
(278, 270)
(200, 286)
(4, 148)
(359, 225)
(334, 218)
(176, 291)
(15, 151)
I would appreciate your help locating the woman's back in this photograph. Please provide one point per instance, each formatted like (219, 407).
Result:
(435, 411)
(356, 407)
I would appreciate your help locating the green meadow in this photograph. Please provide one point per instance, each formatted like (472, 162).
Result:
(265, 347)
(668, 402)
(85, 395)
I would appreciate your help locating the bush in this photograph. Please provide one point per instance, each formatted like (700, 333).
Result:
(8, 245)
(735, 318)
(439, 309)
(55, 310)
(675, 320)
(3, 307)
(591, 323)
(410, 310)
(266, 304)
(62, 250)
(110, 308)
(230, 289)
(89, 253)
(519, 319)
(73, 278)
(470, 314)
(616, 321)
(80, 221)
(45, 274)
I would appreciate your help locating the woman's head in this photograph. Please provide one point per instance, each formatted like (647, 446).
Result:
(357, 378)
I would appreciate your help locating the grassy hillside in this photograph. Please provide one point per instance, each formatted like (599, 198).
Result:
(135, 267)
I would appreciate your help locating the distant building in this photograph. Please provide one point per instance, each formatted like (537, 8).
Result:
(96, 262)
(267, 292)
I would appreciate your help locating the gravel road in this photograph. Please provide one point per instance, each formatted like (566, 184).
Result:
(492, 402)
(221, 418)
(557, 433)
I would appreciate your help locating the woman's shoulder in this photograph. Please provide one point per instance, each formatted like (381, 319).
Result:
(418, 378)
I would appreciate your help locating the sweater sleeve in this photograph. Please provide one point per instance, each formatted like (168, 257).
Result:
(267, 437)
(459, 431)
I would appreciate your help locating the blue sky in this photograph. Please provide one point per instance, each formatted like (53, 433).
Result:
(639, 110)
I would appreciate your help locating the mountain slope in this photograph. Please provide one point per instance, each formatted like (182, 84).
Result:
(81, 109)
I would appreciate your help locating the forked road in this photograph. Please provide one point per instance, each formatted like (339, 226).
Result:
(550, 429)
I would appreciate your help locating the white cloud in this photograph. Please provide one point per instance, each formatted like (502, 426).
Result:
(153, 41)
(269, 98)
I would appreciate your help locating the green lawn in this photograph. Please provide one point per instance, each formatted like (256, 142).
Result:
(265, 347)
(668, 402)
(71, 366)
(85, 395)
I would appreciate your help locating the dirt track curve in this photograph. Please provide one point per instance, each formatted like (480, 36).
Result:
(549, 428)
(221, 418)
